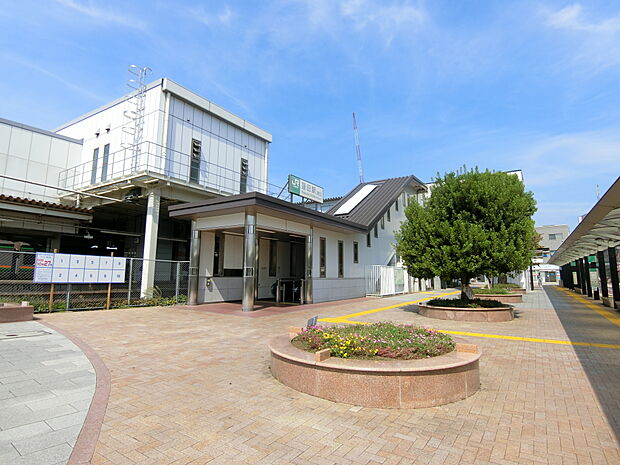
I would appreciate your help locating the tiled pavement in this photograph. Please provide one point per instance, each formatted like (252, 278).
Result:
(46, 385)
(194, 387)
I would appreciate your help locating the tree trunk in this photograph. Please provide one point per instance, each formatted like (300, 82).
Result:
(466, 292)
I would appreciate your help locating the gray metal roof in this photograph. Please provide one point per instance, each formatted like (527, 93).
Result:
(370, 210)
(40, 131)
(598, 230)
(261, 203)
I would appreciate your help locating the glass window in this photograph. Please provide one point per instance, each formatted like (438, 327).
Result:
(93, 173)
(356, 251)
(368, 243)
(104, 162)
(322, 270)
(273, 257)
(389, 215)
(383, 222)
(340, 259)
(376, 231)
(555, 237)
(396, 205)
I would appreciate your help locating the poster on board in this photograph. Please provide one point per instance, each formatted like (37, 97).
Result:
(79, 269)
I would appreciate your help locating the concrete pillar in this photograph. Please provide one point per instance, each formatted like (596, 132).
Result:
(613, 267)
(194, 259)
(54, 243)
(308, 287)
(249, 263)
(149, 252)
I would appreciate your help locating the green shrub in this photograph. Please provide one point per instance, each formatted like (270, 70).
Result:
(376, 340)
(493, 290)
(461, 303)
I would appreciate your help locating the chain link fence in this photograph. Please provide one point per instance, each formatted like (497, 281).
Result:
(16, 285)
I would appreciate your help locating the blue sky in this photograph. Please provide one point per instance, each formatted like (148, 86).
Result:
(528, 85)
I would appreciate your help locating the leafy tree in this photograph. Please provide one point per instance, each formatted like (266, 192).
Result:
(473, 223)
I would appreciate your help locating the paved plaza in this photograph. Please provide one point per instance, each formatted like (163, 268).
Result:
(46, 387)
(192, 386)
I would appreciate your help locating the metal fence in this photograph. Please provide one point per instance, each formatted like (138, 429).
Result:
(16, 285)
(386, 280)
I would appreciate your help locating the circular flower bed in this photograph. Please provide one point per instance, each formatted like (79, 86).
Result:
(461, 303)
(489, 310)
(376, 340)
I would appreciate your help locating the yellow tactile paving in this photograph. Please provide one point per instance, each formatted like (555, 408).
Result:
(614, 318)
(346, 318)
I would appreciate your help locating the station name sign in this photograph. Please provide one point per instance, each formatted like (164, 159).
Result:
(72, 268)
(305, 189)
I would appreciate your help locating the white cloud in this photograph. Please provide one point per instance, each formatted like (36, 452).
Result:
(69, 84)
(88, 9)
(560, 160)
(390, 19)
(200, 14)
(572, 17)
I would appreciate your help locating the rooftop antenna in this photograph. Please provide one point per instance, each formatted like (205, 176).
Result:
(133, 128)
(598, 192)
(357, 150)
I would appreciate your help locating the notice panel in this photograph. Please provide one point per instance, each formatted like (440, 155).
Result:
(79, 269)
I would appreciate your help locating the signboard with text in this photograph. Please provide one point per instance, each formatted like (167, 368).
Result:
(305, 189)
(78, 269)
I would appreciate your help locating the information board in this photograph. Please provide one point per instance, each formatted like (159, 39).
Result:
(79, 269)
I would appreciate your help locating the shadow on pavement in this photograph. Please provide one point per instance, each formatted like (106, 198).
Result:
(601, 365)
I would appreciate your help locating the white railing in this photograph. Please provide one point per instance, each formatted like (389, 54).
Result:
(386, 280)
(157, 160)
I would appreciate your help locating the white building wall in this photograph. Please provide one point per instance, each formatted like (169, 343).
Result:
(36, 156)
(223, 146)
(223, 143)
(114, 118)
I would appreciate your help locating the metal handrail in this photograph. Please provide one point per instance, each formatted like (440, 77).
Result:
(155, 159)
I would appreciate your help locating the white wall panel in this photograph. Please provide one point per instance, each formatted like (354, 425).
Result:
(20, 143)
(5, 137)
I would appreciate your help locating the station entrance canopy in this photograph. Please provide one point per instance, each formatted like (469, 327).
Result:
(598, 231)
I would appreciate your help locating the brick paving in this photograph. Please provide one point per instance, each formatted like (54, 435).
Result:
(192, 387)
(46, 386)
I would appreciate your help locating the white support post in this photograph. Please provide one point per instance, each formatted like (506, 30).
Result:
(249, 263)
(150, 244)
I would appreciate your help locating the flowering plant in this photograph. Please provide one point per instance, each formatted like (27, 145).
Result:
(383, 340)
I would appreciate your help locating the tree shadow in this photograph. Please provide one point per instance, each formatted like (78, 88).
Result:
(601, 365)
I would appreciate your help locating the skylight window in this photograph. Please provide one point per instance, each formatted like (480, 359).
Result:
(360, 195)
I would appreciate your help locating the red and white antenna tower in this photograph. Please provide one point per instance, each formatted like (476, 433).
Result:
(357, 150)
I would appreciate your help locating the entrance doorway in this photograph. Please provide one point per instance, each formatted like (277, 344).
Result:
(281, 268)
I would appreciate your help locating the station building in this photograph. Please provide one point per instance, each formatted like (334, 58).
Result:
(104, 180)
(164, 174)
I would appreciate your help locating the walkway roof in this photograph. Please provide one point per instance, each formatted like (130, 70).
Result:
(598, 230)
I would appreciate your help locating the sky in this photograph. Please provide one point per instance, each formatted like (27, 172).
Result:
(435, 85)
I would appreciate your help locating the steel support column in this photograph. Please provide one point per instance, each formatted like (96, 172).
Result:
(194, 257)
(308, 286)
(613, 267)
(602, 274)
(586, 274)
(249, 263)
(579, 266)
